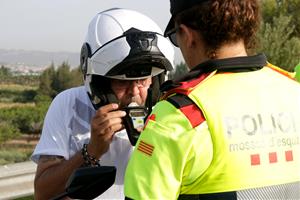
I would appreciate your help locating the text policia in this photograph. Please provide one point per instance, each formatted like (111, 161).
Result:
(274, 130)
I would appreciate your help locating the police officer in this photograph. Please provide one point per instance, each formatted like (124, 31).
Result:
(230, 129)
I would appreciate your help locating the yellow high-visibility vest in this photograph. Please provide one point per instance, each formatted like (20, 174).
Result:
(246, 135)
(255, 128)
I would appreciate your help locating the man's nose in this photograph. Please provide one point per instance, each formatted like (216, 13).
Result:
(134, 88)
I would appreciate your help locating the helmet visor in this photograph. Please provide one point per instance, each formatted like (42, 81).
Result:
(135, 55)
(135, 73)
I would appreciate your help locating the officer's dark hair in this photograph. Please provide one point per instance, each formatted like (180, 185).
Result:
(223, 21)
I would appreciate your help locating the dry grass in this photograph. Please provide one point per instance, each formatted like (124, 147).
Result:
(19, 149)
(16, 87)
(15, 105)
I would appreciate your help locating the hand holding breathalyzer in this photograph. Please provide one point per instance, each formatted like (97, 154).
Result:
(106, 122)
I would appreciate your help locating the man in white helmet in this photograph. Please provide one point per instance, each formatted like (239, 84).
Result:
(124, 56)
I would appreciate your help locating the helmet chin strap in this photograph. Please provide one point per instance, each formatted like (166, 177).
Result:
(111, 98)
(149, 101)
(99, 100)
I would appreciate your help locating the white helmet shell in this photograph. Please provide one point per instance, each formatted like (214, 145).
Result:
(109, 45)
(110, 24)
(123, 44)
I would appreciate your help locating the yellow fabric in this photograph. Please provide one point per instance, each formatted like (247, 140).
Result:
(175, 144)
(265, 123)
(188, 160)
(297, 72)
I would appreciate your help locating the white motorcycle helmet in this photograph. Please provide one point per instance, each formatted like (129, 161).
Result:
(127, 45)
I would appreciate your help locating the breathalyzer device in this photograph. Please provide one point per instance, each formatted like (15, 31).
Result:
(134, 121)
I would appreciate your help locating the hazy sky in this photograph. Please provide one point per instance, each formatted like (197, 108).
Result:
(61, 25)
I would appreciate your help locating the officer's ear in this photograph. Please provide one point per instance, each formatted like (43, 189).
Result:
(188, 36)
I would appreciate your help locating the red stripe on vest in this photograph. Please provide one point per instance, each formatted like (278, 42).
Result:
(151, 117)
(186, 87)
(194, 114)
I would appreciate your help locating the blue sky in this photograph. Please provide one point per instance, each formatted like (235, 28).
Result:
(60, 25)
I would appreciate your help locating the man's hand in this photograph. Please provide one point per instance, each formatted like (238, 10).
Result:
(105, 123)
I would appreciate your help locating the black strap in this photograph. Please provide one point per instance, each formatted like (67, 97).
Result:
(214, 196)
(180, 100)
(191, 111)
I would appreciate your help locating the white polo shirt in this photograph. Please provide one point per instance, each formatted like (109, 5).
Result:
(67, 127)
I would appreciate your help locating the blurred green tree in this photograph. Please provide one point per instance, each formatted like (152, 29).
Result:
(46, 79)
(179, 71)
(4, 71)
(279, 35)
(54, 81)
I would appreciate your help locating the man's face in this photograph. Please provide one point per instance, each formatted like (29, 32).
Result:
(128, 91)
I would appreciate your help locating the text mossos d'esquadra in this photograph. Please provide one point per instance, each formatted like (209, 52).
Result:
(262, 130)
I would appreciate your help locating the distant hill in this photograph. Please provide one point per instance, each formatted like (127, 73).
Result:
(37, 58)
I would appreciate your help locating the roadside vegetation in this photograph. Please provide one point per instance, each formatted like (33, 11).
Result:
(24, 99)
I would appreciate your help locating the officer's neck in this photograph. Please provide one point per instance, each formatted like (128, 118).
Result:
(231, 50)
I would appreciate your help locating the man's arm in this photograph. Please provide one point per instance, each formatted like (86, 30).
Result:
(52, 174)
(53, 171)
